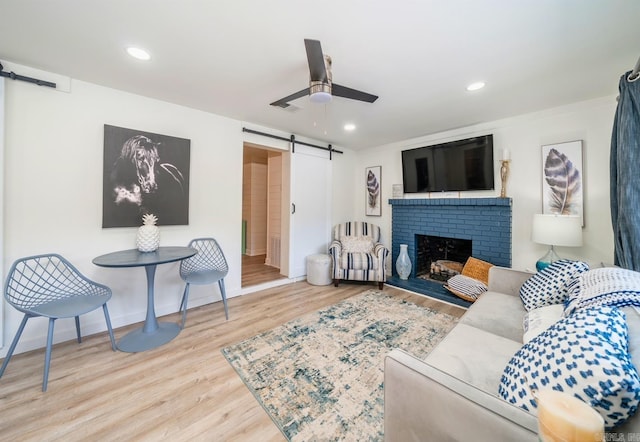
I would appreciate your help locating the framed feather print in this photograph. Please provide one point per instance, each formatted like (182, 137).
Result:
(373, 184)
(562, 179)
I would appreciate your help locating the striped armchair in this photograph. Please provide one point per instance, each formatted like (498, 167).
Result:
(356, 253)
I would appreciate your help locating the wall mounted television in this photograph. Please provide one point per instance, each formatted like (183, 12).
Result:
(454, 166)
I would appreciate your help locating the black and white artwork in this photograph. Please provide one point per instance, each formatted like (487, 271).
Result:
(144, 173)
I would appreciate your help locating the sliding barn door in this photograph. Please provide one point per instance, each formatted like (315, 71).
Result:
(310, 219)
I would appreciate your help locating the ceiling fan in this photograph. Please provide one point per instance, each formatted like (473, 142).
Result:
(321, 87)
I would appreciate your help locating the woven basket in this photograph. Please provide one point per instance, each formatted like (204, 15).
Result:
(477, 269)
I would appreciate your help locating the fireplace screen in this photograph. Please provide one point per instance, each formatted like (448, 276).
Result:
(439, 258)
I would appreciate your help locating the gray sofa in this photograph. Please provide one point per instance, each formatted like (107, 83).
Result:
(453, 393)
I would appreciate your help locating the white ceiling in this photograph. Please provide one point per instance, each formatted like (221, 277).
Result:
(234, 57)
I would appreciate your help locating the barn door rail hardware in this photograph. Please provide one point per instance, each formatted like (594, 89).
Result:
(293, 141)
(14, 76)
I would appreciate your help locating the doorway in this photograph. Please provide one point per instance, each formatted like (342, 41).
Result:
(262, 203)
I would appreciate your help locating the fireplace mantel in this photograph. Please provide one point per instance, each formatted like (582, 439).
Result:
(451, 202)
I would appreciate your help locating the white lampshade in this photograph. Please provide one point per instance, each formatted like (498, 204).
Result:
(320, 91)
(320, 97)
(557, 230)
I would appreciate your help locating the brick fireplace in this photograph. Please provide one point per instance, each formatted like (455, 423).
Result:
(486, 222)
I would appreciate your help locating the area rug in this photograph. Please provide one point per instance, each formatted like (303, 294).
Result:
(320, 377)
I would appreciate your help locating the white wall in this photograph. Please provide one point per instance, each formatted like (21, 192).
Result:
(344, 172)
(589, 121)
(53, 176)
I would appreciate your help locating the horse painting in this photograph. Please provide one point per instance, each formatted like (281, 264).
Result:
(136, 171)
(140, 183)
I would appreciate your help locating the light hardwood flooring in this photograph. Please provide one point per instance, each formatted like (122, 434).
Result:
(255, 271)
(182, 391)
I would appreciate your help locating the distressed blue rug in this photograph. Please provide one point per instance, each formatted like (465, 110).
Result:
(320, 377)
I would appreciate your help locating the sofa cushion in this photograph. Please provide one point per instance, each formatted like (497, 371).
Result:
(614, 287)
(540, 319)
(473, 356)
(497, 313)
(585, 354)
(552, 284)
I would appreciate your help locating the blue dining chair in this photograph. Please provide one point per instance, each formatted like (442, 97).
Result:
(51, 287)
(205, 267)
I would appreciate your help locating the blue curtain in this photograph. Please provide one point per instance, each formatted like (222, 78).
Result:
(625, 175)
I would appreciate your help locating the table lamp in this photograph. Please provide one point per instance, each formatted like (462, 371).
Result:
(555, 230)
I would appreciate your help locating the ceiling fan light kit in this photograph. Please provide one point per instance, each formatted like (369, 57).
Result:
(320, 92)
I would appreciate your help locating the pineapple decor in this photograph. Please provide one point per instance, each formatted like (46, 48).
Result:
(148, 237)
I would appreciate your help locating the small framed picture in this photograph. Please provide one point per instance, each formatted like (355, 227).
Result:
(373, 186)
(562, 175)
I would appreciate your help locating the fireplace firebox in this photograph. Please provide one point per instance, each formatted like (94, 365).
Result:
(439, 258)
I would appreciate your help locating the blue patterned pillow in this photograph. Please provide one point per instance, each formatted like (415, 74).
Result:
(613, 287)
(552, 284)
(585, 354)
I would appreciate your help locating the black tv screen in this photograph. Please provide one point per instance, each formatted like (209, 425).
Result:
(447, 167)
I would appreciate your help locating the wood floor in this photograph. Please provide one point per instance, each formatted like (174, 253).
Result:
(255, 271)
(182, 391)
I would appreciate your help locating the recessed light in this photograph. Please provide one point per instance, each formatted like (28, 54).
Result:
(475, 86)
(138, 53)
(349, 127)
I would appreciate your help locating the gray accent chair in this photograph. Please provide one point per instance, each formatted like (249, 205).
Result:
(50, 286)
(207, 266)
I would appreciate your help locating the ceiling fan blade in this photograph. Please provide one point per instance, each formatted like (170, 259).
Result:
(346, 92)
(317, 69)
(284, 102)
